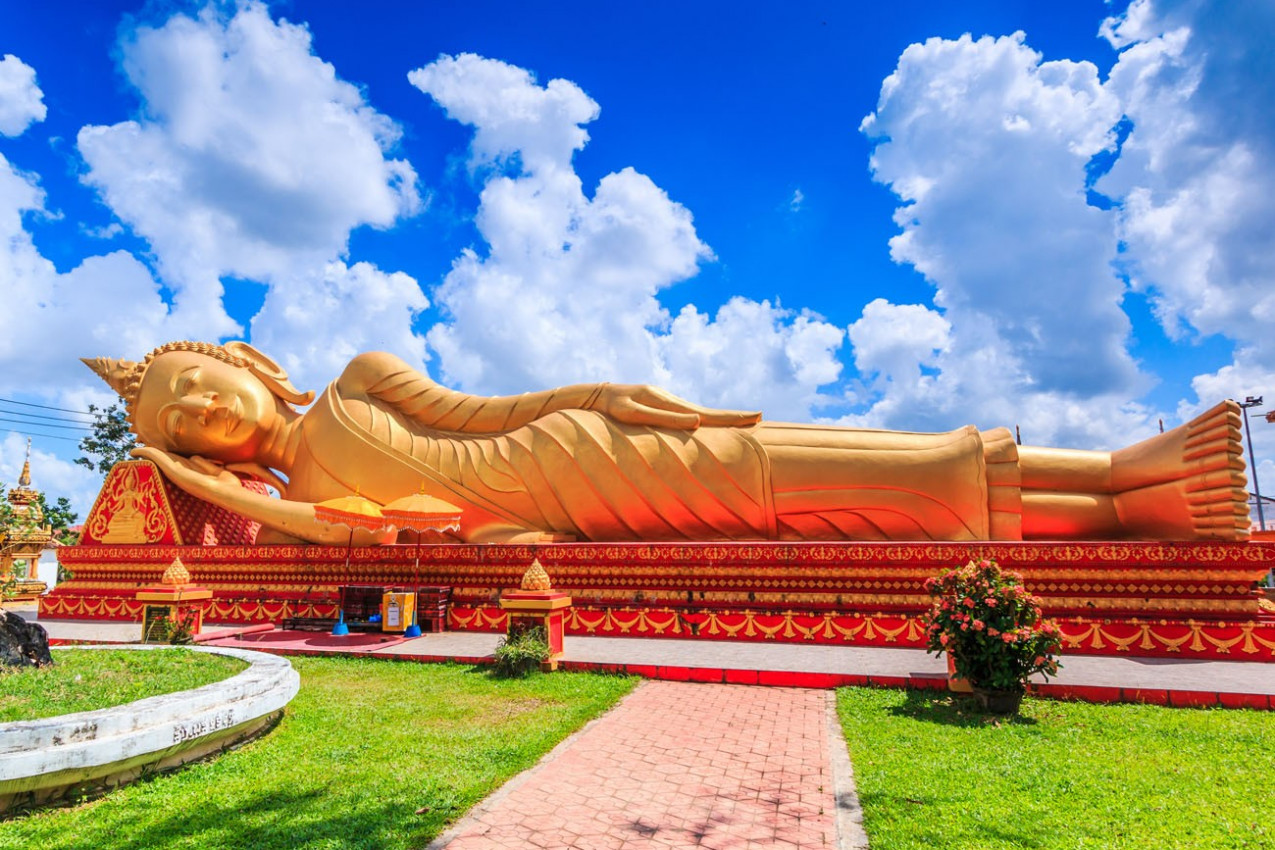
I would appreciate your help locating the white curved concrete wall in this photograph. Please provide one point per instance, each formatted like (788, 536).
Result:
(43, 759)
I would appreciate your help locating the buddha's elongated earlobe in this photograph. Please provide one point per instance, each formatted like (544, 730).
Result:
(269, 373)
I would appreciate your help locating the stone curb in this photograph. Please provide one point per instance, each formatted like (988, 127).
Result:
(41, 758)
(850, 832)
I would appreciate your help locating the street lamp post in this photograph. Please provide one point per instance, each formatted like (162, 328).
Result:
(1252, 463)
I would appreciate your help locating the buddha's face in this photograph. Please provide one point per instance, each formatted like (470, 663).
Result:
(192, 404)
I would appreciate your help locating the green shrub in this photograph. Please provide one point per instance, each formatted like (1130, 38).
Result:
(521, 653)
(992, 627)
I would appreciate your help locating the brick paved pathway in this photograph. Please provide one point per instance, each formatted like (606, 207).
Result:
(676, 765)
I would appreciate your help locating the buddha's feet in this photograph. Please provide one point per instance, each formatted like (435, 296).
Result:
(1187, 483)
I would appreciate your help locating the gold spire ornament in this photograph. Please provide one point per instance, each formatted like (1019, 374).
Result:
(124, 376)
(535, 578)
(176, 575)
(24, 480)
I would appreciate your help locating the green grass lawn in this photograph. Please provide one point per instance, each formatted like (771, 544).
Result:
(370, 754)
(1064, 775)
(88, 679)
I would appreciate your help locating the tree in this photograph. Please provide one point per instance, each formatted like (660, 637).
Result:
(60, 516)
(110, 442)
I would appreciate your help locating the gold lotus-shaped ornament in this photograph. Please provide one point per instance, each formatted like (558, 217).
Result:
(535, 578)
(176, 575)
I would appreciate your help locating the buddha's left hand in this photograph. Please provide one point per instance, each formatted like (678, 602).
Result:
(640, 404)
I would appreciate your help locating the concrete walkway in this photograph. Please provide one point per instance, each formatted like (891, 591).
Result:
(682, 765)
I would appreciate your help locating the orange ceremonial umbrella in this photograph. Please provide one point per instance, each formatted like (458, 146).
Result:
(421, 512)
(354, 511)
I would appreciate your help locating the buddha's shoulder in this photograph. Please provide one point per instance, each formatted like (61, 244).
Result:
(371, 369)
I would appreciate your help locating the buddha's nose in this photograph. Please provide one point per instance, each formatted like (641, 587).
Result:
(199, 404)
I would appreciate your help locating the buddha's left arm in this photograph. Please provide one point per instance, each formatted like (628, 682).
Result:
(387, 378)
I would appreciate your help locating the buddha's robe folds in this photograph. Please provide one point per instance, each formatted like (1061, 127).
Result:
(568, 470)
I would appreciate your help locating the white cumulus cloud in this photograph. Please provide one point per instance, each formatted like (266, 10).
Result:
(50, 474)
(568, 288)
(986, 145)
(318, 320)
(752, 354)
(250, 158)
(21, 101)
(1196, 176)
(107, 305)
(894, 342)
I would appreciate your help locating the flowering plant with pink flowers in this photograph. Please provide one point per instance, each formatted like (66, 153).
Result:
(991, 626)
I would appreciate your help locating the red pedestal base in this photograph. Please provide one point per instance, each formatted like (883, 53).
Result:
(526, 609)
(1151, 599)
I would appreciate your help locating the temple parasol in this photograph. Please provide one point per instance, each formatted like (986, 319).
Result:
(421, 512)
(355, 511)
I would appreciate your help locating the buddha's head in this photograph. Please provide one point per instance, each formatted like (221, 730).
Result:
(193, 398)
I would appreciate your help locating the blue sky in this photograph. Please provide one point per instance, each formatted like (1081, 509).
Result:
(913, 215)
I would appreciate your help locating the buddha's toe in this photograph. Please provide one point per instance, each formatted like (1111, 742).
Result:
(1213, 440)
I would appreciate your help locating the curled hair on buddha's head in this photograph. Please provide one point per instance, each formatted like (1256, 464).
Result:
(125, 376)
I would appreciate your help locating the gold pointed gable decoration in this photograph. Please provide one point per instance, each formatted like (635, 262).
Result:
(535, 578)
(176, 575)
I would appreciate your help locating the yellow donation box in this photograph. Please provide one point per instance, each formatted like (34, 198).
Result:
(398, 611)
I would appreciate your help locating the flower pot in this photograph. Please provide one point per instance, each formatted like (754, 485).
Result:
(998, 702)
(955, 683)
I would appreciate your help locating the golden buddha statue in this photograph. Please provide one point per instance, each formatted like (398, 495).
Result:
(611, 462)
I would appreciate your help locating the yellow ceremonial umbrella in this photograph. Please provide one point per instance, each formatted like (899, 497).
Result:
(421, 512)
(355, 511)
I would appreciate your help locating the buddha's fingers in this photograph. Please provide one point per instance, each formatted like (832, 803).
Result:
(659, 399)
(729, 418)
(634, 413)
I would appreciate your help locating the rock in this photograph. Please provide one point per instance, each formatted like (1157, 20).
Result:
(22, 644)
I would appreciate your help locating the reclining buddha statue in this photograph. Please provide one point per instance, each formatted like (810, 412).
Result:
(614, 462)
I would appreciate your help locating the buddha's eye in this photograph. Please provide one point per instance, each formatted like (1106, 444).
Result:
(188, 383)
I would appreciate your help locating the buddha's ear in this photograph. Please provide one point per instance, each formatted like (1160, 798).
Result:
(269, 373)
